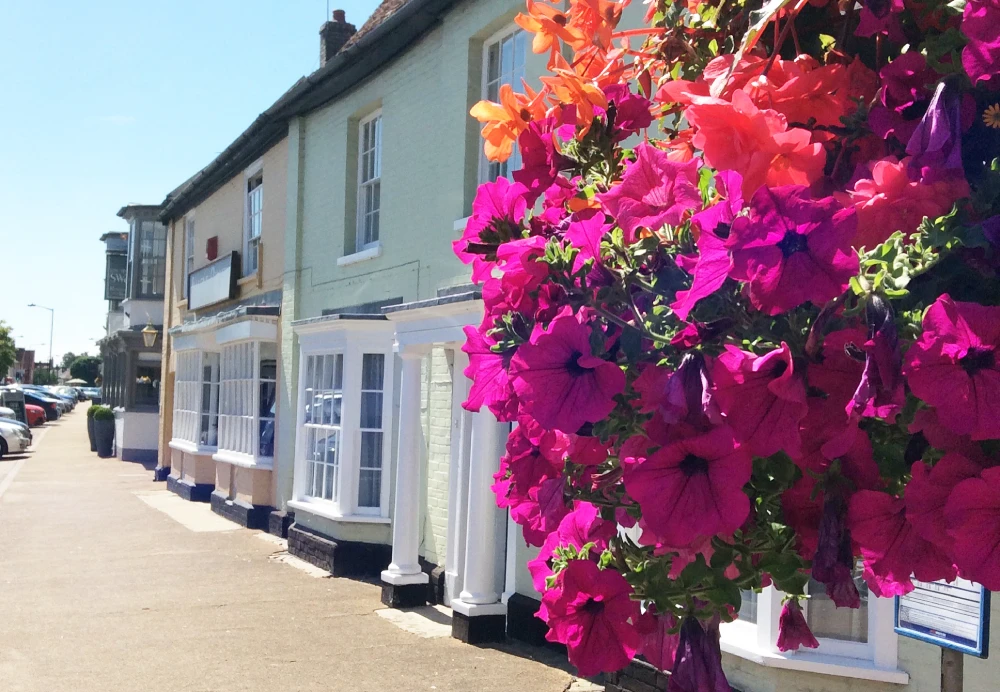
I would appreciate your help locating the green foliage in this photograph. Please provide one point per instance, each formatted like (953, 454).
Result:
(86, 368)
(45, 376)
(8, 353)
(68, 358)
(103, 413)
(92, 410)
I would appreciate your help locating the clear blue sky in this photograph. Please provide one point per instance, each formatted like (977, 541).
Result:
(109, 102)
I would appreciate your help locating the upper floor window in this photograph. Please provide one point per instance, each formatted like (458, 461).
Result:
(254, 219)
(369, 180)
(503, 63)
(152, 259)
(188, 253)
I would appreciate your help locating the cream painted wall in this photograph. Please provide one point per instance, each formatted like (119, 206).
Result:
(437, 376)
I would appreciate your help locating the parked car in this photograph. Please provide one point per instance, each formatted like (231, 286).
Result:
(13, 439)
(52, 407)
(65, 405)
(7, 415)
(91, 392)
(55, 392)
(36, 415)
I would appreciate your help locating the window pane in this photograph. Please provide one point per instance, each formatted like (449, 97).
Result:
(748, 608)
(371, 410)
(369, 488)
(372, 371)
(830, 622)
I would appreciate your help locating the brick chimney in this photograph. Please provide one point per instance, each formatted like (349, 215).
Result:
(333, 35)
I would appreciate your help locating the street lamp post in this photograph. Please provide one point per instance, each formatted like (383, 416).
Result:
(52, 324)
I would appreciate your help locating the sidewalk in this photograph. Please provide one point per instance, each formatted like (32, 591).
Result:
(103, 590)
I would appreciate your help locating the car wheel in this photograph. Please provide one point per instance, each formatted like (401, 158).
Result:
(3, 448)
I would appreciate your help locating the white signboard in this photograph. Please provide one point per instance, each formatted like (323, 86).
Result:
(953, 615)
(214, 283)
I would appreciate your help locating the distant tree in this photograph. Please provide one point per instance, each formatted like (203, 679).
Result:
(45, 376)
(8, 353)
(86, 368)
(68, 358)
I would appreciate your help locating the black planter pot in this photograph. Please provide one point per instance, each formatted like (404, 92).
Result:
(104, 436)
(90, 434)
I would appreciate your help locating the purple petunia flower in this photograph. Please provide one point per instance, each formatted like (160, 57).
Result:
(880, 392)
(793, 630)
(698, 664)
(497, 213)
(793, 249)
(981, 25)
(936, 144)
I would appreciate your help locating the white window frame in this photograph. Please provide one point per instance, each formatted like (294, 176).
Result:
(189, 386)
(876, 659)
(240, 420)
(251, 242)
(353, 341)
(189, 253)
(375, 181)
(511, 30)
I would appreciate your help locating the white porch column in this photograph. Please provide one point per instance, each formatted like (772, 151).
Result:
(484, 544)
(458, 476)
(405, 566)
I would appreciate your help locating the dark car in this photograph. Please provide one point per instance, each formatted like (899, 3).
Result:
(50, 405)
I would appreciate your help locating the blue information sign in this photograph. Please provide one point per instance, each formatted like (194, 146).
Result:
(952, 615)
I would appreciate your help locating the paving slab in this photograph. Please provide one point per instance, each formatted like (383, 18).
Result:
(109, 584)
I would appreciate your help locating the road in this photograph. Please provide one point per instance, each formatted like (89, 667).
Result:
(111, 583)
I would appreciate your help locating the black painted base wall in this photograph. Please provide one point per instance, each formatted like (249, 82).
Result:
(482, 629)
(161, 473)
(200, 492)
(639, 676)
(248, 516)
(279, 522)
(340, 558)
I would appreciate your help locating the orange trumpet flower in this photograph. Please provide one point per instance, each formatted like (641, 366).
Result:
(504, 122)
(549, 25)
(569, 87)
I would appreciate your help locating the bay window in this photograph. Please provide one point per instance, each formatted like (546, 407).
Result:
(345, 405)
(858, 643)
(196, 400)
(246, 392)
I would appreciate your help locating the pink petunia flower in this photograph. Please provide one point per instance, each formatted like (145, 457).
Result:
(659, 645)
(973, 517)
(762, 398)
(927, 422)
(793, 249)
(793, 630)
(497, 213)
(585, 231)
(590, 612)
(892, 549)
(953, 366)
(981, 55)
(928, 492)
(487, 369)
(557, 379)
(692, 487)
(631, 111)
(714, 262)
(581, 526)
(880, 392)
(654, 191)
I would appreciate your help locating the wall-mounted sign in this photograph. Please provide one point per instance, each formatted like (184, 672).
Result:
(214, 283)
(116, 278)
(952, 615)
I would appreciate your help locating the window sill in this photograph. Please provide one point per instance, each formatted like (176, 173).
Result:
(333, 515)
(366, 254)
(247, 280)
(813, 662)
(244, 460)
(182, 304)
(460, 225)
(190, 447)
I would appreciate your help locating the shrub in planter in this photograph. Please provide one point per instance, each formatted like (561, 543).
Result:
(104, 431)
(90, 428)
(742, 297)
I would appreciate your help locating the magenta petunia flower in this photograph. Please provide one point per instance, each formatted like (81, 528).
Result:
(762, 398)
(630, 111)
(880, 392)
(714, 262)
(487, 369)
(557, 379)
(973, 517)
(953, 366)
(497, 213)
(892, 549)
(927, 422)
(654, 191)
(793, 249)
(590, 612)
(585, 232)
(691, 487)
(659, 645)
(698, 664)
(981, 55)
(793, 630)
(833, 564)
(683, 396)
(541, 160)
(936, 143)
(928, 492)
(581, 526)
